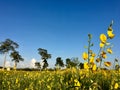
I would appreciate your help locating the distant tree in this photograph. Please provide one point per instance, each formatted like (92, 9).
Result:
(16, 57)
(6, 46)
(44, 56)
(73, 62)
(68, 61)
(59, 62)
(37, 64)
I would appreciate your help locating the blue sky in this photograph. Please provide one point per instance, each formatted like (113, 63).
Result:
(60, 26)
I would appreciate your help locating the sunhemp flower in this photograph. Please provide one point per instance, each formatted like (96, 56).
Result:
(85, 56)
(94, 67)
(107, 64)
(109, 50)
(93, 55)
(110, 34)
(92, 60)
(98, 60)
(102, 45)
(86, 65)
(77, 83)
(103, 38)
(116, 86)
(103, 54)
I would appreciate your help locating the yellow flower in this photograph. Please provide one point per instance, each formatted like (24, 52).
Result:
(101, 45)
(109, 50)
(94, 67)
(98, 60)
(107, 64)
(103, 38)
(92, 60)
(16, 80)
(86, 65)
(77, 83)
(110, 34)
(85, 56)
(116, 86)
(93, 55)
(103, 54)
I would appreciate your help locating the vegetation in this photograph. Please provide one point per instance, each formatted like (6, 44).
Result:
(69, 79)
(76, 75)
(59, 63)
(6, 46)
(44, 56)
(16, 57)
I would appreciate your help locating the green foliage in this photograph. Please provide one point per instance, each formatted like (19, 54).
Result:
(44, 56)
(59, 62)
(16, 57)
(73, 62)
(37, 64)
(69, 79)
(6, 46)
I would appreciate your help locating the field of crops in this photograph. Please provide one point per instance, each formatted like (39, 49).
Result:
(69, 79)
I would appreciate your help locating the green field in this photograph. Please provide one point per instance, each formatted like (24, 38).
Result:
(69, 79)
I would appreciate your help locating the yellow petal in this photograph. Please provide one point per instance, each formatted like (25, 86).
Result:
(94, 67)
(102, 45)
(103, 38)
(109, 50)
(116, 86)
(110, 34)
(93, 55)
(85, 56)
(107, 64)
(92, 60)
(98, 60)
(86, 65)
(104, 56)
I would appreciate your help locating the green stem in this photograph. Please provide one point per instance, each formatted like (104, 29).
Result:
(89, 42)
(100, 62)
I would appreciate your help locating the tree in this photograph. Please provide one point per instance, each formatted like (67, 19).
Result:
(44, 56)
(16, 57)
(68, 60)
(37, 64)
(59, 62)
(5, 47)
(73, 62)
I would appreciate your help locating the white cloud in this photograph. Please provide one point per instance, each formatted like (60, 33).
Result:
(7, 64)
(27, 63)
(32, 63)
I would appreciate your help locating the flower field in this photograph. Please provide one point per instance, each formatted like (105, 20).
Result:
(68, 79)
(91, 77)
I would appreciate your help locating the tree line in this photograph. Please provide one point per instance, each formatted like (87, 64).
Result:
(8, 47)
